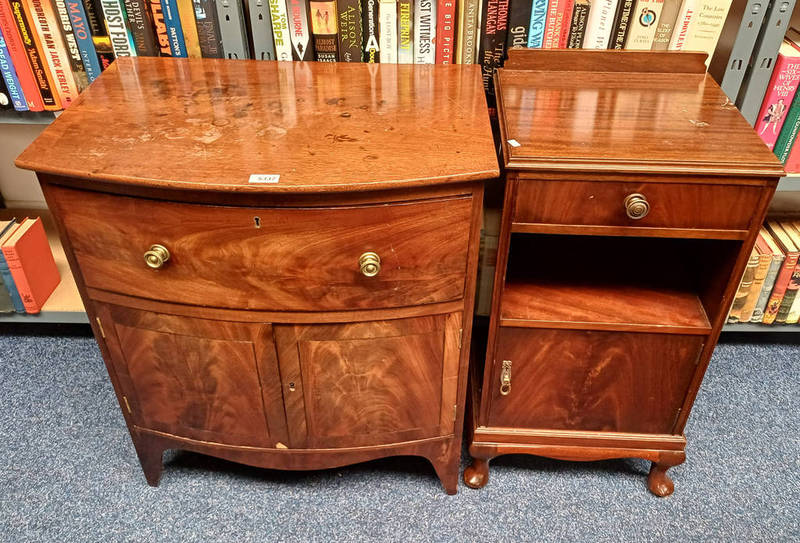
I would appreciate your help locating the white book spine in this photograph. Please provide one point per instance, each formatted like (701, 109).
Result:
(387, 31)
(644, 21)
(280, 29)
(706, 26)
(598, 27)
(682, 23)
(405, 32)
(424, 32)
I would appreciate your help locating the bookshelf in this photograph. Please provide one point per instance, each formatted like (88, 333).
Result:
(64, 305)
(26, 117)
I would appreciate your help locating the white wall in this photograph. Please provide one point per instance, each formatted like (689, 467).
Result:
(18, 187)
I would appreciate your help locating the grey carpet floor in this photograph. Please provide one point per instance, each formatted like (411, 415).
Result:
(68, 472)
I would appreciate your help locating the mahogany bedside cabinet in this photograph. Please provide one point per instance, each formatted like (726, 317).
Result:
(634, 193)
(278, 259)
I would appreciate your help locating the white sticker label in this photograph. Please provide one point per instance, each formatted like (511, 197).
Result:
(264, 178)
(514, 143)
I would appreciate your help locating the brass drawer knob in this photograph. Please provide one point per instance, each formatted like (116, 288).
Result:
(636, 206)
(505, 378)
(370, 264)
(157, 256)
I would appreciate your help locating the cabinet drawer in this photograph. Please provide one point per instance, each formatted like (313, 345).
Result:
(303, 259)
(671, 205)
(588, 380)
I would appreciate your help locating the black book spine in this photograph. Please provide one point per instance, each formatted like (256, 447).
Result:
(94, 14)
(519, 20)
(141, 25)
(370, 32)
(208, 29)
(622, 24)
(488, 34)
(5, 97)
(577, 27)
(75, 61)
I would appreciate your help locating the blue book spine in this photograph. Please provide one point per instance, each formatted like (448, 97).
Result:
(80, 27)
(8, 281)
(172, 21)
(538, 20)
(10, 77)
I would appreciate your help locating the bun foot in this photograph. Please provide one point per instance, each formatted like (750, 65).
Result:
(659, 482)
(477, 473)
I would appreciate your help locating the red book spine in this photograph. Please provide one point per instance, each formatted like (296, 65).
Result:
(19, 58)
(564, 19)
(551, 39)
(20, 280)
(445, 31)
(781, 90)
(778, 291)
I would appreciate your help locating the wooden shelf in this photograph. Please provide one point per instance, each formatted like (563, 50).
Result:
(26, 117)
(553, 304)
(757, 327)
(790, 183)
(64, 305)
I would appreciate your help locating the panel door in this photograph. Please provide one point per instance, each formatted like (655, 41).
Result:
(591, 380)
(208, 380)
(369, 383)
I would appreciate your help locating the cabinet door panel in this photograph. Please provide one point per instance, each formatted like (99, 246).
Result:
(588, 380)
(196, 378)
(369, 383)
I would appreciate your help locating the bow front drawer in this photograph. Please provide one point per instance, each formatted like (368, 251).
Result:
(280, 258)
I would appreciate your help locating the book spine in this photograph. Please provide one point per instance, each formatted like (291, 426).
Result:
(791, 291)
(682, 23)
(793, 313)
(325, 29)
(141, 26)
(666, 24)
(8, 281)
(577, 27)
(424, 32)
(370, 17)
(191, 39)
(44, 20)
(20, 280)
(550, 39)
(779, 289)
(30, 41)
(519, 21)
(745, 286)
(71, 44)
(351, 36)
(788, 134)
(10, 78)
(121, 38)
(172, 21)
(280, 29)
(776, 262)
(599, 23)
(445, 31)
(762, 267)
(387, 31)
(299, 30)
(100, 37)
(643, 24)
(488, 40)
(563, 20)
(780, 92)
(467, 44)
(208, 33)
(405, 31)
(539, 10)
(160, 28)
(619, 33)
(83, 36)
(706, 26)
(19, 58)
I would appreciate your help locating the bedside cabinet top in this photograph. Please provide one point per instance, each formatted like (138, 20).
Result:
(238, 125)
(617, 122)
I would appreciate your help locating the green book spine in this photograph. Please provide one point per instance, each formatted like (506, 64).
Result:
(783, 145)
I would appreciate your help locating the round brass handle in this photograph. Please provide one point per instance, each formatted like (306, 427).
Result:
(370, 264)
(636, 206)
(156, 257)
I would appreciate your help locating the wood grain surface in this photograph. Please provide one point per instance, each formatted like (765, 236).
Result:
(586, 380)
(211, 124)
(637, 123)
(302, 259)
(602, 60)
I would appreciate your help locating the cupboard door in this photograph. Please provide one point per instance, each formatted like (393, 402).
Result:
(369, 383)
(195, 378)
(589, 380)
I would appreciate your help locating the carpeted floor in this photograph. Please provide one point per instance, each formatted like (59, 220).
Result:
(68, 471)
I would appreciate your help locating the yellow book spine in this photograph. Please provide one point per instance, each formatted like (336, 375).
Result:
(189, 27)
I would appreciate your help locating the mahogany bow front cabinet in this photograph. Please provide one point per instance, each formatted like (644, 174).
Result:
(634, 194)
(278, 259)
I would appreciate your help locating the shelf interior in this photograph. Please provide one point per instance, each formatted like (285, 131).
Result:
(614, 283)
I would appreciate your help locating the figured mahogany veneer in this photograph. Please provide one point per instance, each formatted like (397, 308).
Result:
(266, 338)
(605, 314)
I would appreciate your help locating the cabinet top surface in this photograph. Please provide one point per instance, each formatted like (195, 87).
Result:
(626, 122)
(212, 124)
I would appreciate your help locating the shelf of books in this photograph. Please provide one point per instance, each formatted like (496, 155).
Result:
(53, 290)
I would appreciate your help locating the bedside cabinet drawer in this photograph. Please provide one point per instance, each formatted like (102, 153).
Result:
(301, 259)
(660, 205)
(591, 380)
